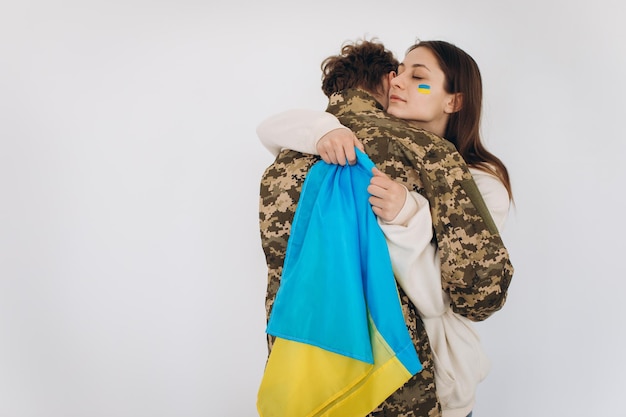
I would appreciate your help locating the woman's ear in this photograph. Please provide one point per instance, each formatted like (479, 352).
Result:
(454, 103)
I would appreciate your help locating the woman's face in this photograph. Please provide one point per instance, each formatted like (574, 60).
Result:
(417, 93)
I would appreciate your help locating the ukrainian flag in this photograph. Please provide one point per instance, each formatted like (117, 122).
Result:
(342, 346)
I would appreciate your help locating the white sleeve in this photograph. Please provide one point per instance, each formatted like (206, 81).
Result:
(296, 129)
(414, 257)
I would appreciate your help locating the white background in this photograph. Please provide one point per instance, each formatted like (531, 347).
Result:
(131, 273)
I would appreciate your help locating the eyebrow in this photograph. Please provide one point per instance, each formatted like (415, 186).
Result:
(416, 66)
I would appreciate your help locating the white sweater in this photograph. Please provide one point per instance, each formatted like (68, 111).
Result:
(459, 359)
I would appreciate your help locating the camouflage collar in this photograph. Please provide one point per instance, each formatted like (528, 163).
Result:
(353, 100)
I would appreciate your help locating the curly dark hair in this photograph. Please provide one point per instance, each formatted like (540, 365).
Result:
(361, 64)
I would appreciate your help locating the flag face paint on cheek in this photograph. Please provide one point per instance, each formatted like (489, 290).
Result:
(423, 88)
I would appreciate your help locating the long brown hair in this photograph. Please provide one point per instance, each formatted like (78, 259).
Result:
(463, 129)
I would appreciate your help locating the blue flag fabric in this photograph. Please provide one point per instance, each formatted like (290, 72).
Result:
(337, 290)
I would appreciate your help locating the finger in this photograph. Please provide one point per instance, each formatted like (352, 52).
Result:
(377, 192)
(358, 144)
(350, 155)
(381, 182)
(375, 202)
(328, 155)
(339, 157)
(378, 173)
(379, 210)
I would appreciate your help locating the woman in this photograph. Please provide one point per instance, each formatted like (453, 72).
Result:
(437, 88)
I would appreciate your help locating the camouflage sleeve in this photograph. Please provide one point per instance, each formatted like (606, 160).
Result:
(475, 267)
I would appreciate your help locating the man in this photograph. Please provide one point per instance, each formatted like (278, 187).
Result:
(357, 83)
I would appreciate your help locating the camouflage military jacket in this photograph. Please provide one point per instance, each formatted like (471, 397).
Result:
(280, 189)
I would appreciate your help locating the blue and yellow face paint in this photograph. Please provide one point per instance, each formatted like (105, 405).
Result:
(423, 88)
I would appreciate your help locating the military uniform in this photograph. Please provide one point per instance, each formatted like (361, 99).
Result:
(475, 269)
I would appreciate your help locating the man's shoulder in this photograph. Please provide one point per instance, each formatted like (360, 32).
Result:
(384, 125)
(359, 111)
(290, 162)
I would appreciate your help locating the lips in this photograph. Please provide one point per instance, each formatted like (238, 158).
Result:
(394, 97)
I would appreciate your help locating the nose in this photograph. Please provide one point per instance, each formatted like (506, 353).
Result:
(397, 81)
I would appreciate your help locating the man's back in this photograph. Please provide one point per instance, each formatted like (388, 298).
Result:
(281, 185)
(280, 188)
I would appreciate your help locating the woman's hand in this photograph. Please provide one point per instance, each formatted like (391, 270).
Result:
(337, 146)
(387, 196)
